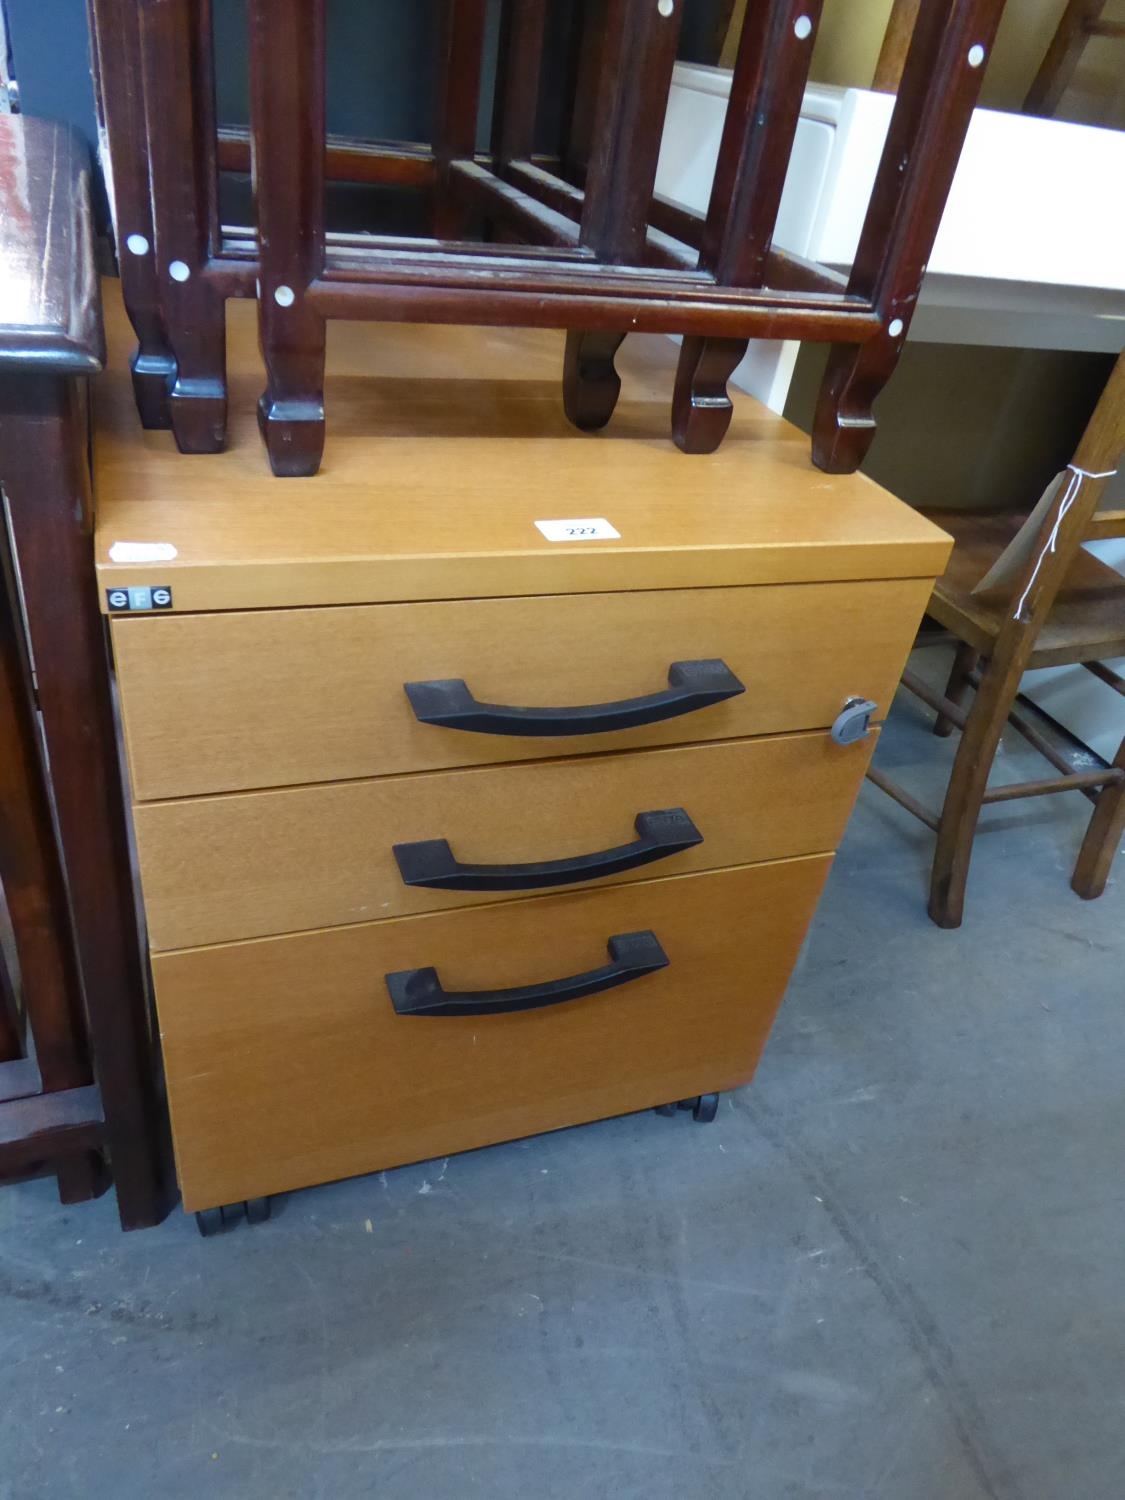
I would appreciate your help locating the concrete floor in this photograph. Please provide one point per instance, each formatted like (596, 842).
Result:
(892, 1268)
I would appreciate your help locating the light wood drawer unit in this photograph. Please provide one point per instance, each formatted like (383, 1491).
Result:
(295, 660)
(245, 865)
(231, 701)
(288, 1065)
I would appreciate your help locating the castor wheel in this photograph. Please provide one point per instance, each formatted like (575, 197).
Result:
(212, 1221)
(705, 1108)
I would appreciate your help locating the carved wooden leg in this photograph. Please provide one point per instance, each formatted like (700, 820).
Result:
(121, 113)
(965, 663)
(179, 91)
(844, 427)
(291, 410)
(965, 793)
(154, 373)
(941, 79)
(197, 406)
(701, 408)
(1103, 838)
(287, 127)
(591, 384)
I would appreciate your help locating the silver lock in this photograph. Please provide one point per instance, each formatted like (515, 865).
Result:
(853, 723)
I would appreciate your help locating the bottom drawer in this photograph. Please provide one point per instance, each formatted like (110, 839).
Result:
(288, 1065)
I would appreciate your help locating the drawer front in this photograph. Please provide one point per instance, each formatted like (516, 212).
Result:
(288, 1065)
(277, 698)
(221, 869)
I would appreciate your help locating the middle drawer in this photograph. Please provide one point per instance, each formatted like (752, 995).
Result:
(222, 869)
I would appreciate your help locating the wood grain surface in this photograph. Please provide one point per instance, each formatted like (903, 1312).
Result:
(287, 1064)
(282, 697)
(446, 445)
(220, 869)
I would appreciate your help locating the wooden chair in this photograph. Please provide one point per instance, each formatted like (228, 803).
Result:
(1081, 21)
(577, 239)
(1020, 593)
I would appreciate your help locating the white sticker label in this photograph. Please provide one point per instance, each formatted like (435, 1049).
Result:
(585, 529)
(141, 552)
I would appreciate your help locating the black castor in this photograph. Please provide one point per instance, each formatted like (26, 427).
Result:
(212, 1221)
(704, 1107)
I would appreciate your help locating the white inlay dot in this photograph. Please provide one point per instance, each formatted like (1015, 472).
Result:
(284, 296)
(976, 55)
(895, 327)
(137, 244)
(179, 270)
(666, 7)
(802, 27)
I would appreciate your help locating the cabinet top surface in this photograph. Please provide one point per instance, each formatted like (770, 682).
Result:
(445, 447)
(49, 311)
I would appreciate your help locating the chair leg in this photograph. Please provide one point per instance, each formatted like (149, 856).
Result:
(701, 408)
(1103, 838)
(963, 798)
(965, 663)
(591, 384)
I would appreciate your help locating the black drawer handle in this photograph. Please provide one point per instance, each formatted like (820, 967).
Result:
(418, 992)
(432, 863)
(691, 685)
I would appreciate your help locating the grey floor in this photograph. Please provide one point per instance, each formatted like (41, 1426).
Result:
(892, 1268)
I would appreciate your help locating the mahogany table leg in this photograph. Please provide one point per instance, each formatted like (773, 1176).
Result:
(121, 111)
(701, 407)
(636, 44)
(774, 53)
(287, 122)
(941, 80)
(591, 384)
(178, 91)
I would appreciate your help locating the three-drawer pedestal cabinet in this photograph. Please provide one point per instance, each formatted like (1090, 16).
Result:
(485, 783)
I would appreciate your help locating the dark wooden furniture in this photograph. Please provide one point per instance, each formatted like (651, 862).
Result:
(1021, 593)
(82, 1084)
(1081, 21)
(569, 237)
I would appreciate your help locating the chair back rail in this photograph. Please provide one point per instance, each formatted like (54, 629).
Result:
(574, 240)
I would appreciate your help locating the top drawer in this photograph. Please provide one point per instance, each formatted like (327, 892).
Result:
(228, 702)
